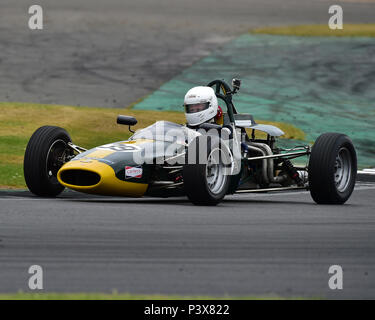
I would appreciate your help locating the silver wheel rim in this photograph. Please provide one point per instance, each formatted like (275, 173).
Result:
(215, 172)
(343, 169)
(50, 174)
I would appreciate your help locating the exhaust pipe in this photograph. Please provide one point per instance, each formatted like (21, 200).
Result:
(268, 165)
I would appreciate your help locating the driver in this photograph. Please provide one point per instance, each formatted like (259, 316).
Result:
(201, 106)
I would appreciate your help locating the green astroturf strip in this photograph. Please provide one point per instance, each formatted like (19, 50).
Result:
(318, 84)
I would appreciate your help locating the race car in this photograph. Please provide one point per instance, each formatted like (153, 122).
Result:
(204, 162)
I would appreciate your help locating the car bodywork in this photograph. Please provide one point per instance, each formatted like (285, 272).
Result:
(111, 169)
(107, 169)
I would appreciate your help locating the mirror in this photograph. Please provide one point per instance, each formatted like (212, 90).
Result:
(236, 84)
(127, 120)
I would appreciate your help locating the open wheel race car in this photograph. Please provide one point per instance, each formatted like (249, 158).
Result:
(151, 163)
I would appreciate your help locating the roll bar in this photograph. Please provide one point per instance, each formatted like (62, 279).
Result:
(227, 94)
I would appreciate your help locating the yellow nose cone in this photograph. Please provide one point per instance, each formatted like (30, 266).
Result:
(92, 176)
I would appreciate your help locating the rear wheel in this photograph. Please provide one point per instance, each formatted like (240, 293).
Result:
(332, 169)
(207, 183)
(46, 152)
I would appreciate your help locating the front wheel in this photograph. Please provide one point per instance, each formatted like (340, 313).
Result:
(332, 169)
(206, 183)
(46, 152)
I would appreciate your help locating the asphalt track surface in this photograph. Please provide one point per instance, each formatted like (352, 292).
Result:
(111, 53)
(263, 244)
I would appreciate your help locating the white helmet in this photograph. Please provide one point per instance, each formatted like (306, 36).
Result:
(200, 105)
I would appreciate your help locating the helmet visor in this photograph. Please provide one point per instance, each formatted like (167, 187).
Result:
(196, 107)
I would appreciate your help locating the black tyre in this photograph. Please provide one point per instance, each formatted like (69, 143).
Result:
(332, 169)
(205, 183)
(45, 154)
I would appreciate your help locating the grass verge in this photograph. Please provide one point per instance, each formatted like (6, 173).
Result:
(349, 30)
(122, 296)
(88, 127)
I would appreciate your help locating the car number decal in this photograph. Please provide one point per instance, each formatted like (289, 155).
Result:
(120, 147)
